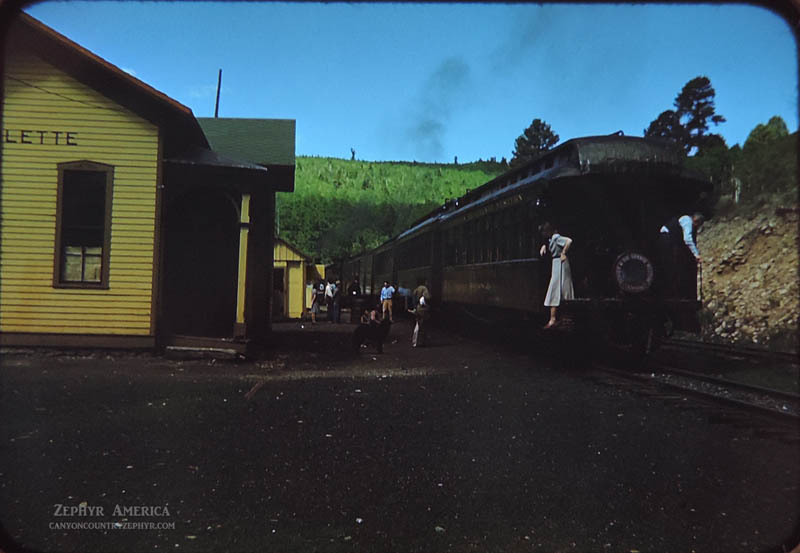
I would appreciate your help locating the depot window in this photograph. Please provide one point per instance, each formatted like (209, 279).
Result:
(83, 225)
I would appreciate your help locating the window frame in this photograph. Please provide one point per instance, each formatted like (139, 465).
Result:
(59, 253)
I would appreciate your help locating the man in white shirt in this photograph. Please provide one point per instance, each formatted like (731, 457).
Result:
(330, 288)
(677, 244)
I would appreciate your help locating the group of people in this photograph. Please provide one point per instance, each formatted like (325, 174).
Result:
(674, 235)
(329, 293)
(419, 299)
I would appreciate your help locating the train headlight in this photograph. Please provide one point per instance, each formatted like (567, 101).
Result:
(633, 273)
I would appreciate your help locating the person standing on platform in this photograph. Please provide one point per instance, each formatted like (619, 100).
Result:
(354, 289)
(421, 298)
(420, 312)
(387, 292)
(337, 301)
(317, 298)
(560, 287)
(329, 298)
(353, 299)
(421, 291)
(405, 296)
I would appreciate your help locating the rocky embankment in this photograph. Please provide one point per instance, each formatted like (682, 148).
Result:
(750, 278)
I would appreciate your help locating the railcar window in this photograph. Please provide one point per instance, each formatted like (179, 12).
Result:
(493, 237)
(479, 240)
(367, 282)
(469, 244)
(489, 237)
(498, 234)
(453, 253)
(502, 234)
(462, 243)
(459, 240)
(508, 228)
(457, 244)
(479, 234)
(529, 233)
(447, 246)
(474, 242)
(484, 233)
(383, 262)
(513, 233)
(415, 253)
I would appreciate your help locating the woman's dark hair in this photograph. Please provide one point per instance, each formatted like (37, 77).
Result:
(546, 230)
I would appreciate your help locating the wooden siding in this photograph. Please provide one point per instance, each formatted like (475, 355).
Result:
(297, 287)
(282, 252)
(294, 265)
(40, 97)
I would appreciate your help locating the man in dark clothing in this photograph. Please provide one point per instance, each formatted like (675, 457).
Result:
(677, 244)
(354, 289)
(373, 330)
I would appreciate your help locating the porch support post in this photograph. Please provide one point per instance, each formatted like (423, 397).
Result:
(240, 329)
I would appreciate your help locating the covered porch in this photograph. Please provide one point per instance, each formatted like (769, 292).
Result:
(216, 252)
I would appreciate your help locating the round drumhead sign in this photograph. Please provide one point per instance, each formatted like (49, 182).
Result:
(633, 272)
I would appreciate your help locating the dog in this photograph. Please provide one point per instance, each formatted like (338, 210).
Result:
(373, 333)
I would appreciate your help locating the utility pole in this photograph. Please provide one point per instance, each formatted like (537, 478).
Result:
(219, 85)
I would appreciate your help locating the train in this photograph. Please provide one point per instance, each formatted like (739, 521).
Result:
(479, 253)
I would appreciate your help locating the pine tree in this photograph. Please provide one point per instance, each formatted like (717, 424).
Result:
(694, 110)
(534, 140)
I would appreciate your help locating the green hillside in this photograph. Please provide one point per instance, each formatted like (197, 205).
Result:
(340, 208)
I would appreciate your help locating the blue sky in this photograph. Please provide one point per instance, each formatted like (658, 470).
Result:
(429, 82)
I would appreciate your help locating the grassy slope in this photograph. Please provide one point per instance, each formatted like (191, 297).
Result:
(339, 207)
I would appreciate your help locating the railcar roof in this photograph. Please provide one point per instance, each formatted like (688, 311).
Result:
(577, 156)
(583, 155)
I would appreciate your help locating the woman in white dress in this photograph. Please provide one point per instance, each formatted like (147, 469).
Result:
(561, 276)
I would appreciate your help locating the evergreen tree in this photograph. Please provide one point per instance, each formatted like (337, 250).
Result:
(764, 134)
(534, 140)
(667, 125)
(696, 110)
(689, 122)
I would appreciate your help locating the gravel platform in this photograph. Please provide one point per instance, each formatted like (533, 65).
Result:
(460, 446)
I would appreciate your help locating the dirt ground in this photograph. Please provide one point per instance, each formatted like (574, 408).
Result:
(459, 446)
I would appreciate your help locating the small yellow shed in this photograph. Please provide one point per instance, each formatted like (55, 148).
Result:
(293, 276)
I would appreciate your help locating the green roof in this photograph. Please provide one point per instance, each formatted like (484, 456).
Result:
(261, 141)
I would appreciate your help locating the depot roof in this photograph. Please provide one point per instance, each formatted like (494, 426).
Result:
(267, 142)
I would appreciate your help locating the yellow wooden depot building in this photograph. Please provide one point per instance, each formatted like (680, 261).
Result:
(121, 226)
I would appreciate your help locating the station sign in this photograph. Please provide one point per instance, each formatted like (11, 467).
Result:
(40, 137)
